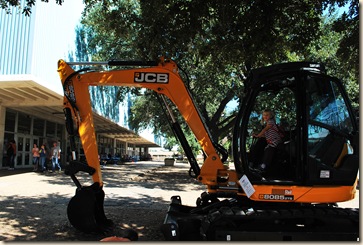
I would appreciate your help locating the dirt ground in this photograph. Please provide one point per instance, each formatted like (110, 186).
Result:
(33, 206)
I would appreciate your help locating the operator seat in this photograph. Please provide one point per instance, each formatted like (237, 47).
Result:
(329, 149)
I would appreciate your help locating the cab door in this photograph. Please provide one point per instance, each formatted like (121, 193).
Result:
(330, 132)
(23, 148)
(280, 95)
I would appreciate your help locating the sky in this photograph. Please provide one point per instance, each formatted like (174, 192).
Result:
(62, 21)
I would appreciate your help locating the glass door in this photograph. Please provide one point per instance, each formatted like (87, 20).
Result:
(23, 155)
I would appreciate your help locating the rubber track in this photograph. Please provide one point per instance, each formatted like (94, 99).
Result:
(299, 223)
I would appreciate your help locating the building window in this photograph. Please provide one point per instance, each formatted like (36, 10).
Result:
(27, 144)
(10, 121)
(120, 148)
(20, 144)
(26, 130)
(50, 129)
(105, 145)
(59, 131)
(24, 123)
(38, 128)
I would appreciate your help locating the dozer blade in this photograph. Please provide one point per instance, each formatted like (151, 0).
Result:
(85, 210)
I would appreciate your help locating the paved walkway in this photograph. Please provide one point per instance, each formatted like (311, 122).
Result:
(33, 205)
(25, 182)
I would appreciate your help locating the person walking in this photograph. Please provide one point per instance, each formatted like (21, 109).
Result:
(35, 152)
(11, 154)
(55, 151)
(43, 157)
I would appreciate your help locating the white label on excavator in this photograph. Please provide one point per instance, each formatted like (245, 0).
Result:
(246, 186)
(324, 174)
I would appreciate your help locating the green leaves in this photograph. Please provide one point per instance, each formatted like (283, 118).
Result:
(26, 9)
(216, 42)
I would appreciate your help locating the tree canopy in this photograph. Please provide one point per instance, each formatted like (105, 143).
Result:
(26, 9)
(216, 42)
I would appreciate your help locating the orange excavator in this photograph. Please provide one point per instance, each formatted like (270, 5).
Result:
(313, 168)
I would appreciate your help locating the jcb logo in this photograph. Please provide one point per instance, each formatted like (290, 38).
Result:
(149, 77)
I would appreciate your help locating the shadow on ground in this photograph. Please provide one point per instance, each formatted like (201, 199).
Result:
(45, 218)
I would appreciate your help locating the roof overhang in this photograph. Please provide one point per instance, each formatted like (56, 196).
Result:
(110, 129)
(22, 93)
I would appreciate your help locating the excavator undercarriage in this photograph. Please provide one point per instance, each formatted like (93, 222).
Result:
(238, 219)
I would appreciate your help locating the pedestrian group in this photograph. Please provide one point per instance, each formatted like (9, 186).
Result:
(40, 156)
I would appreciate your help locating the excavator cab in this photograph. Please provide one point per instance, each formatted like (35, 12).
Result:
(315, 120)
(314, 167)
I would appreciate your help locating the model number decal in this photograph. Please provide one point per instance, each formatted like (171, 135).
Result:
(276, 197)
(151, 77)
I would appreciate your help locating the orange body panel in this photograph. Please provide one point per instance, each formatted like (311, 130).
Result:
(307, 194)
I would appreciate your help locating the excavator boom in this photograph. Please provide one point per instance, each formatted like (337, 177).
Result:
(163, 79)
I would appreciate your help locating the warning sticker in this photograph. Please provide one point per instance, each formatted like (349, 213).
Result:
(246, 186)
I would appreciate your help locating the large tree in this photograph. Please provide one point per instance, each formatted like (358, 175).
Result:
(215, 42)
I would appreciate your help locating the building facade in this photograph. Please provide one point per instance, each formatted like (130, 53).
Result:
(31, 94)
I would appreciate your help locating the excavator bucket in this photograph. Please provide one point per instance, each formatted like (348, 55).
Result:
(85, 210)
